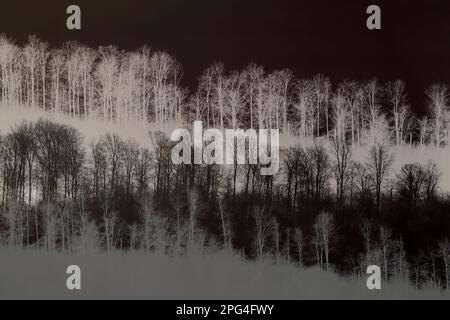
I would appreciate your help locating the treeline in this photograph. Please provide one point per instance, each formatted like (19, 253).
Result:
(323, 208)
(142, 85)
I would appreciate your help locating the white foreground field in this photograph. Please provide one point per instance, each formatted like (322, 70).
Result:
(32, 274)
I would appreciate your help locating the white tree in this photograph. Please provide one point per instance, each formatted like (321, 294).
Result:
(234, 100)
(424, 130)
(285, 79)
(372, 92)
(340, 115)
(87, 58)
(109, 220)
(400, 264)
(397, 98)
(321, 89)
(438, 99)
(14, 222)
(160, 231)
(385, 239)
(107, 70)
(31, 63)
(272, 103)
(304, 108)
(10, 72)
(353, 95)
(261, 92)
(73, 72)
(43, 57)
(88, 231)
(165, 76)
(324, 232)
(405, 124)
(56, 65)
(50, 227)
(263, 230)
(254, 75)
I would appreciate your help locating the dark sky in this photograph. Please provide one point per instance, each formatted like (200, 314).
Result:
(308, 37)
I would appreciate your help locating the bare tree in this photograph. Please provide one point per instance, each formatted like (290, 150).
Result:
(299, 243)
(396, 95)
(342, 154)
(444, 249)
(263, 230)
(31, 63)
(109, 220)
(56, 65)
(406, 124)
(410, 182)
(87, 59)
(129, 154)
(193, 212)
(385, 239)
(160, 231)
(292, 165)
(400, 264)
(276, 237)
(424, 130)
(285, 78)
(88, 231)
(417, 182)
(113, 145)
(142, 167)
(364, 182)
(146, 221)
(432, 177)
(165, 74)
(321, 89)
(234, 99)
(366, 232)
(303, 104)
(379, 162)
(438, 101)
(107, 70)
(226, 231)
(353, 97)
(14, 223)
(318, 156)
(254, 75)
(372, 92)
(324, 232)
(340, 114)
(10, 56)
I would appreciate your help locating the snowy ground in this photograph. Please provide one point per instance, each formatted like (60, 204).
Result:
(41, 275)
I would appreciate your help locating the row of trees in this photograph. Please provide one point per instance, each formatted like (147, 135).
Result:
(145, 86)
(83, 82)
(323, 208)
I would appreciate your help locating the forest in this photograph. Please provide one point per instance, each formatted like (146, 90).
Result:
(336, 203)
